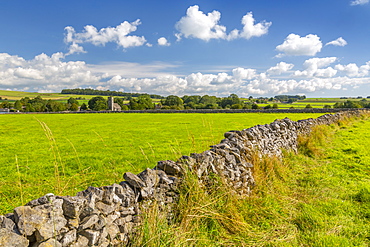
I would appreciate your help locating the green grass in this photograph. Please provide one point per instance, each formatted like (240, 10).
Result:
(319, 197)
(66, 153)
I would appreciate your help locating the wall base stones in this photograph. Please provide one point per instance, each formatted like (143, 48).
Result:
(109, 215)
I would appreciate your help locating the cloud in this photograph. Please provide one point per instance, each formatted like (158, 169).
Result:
(315, 67)
(43, 73)
(163, 42)
(294, 45)
(119, 35)
(352, 70)
(253, 30)
(196, 24)
(280, 68)
(338, 42)
(46, 73)
(75, 48)
(359, 2)
(241, 74)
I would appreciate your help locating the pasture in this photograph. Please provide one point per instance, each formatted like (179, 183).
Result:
(66, 153)
(319, 196)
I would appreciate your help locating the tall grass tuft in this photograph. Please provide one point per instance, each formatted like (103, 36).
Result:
(56, 154)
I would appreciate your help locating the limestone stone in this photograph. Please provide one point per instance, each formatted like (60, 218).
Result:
(134, 180)
(27, 219)
(42, 200)
(73, 223)
(104, 208)
(69, 238)
(91, 235)
(72, 206)
(6, 222)
(170, 167)
(150, 177)
(10, 239)
(82, 241)
(50, 243)
(112, 231)
(88, 221)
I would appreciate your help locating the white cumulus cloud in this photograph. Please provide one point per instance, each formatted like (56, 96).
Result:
(253, 30)
(119, 35)
(315, 67)
(196, 24)
(43, 73)
(338, 42)
(46, 73)
(359, 2)
(295, 45)
(163, 42)
(280, 68)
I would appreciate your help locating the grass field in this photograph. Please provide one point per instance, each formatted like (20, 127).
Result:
(319, 197)
(66, 153)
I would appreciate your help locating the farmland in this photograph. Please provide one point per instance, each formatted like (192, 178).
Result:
(246, 103)
(318, 197)
(65, 153)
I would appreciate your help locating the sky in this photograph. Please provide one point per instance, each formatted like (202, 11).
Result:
(258, 48)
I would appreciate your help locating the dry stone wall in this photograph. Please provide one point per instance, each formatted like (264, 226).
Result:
(109, 215)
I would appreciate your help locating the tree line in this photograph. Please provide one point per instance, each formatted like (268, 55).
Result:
(39, 104)
(145, 102)
(89, 91)
(353, 104)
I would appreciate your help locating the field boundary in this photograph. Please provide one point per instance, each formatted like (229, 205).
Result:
(109, 215)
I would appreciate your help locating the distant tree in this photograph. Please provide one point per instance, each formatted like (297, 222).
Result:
(25, 100)
(275, 106)
(255, 106)
(229, 101)
(98, 103)
(72, 101)
(83, 107)
(191, 102)
(119, 101)
(267, 107)
(6, 104)
(327, 106)
(173, 102)
(18, 105)
(145, 102)
(134, 105)
(348, 104)
(247, 105)
(236, 106)
(73, 107)
(308, 106)
(124, 108)
(29, 108)
(54, 106)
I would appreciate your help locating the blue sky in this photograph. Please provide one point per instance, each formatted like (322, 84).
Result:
(254, 47)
